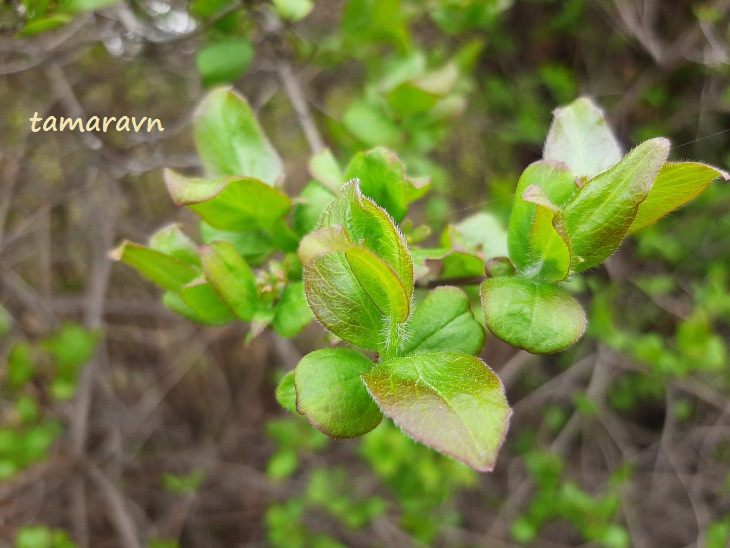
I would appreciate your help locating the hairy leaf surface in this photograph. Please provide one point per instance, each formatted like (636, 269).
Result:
(449, 401)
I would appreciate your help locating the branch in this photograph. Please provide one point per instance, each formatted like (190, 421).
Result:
(298, 101)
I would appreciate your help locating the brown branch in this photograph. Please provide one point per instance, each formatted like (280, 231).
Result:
(301, 108)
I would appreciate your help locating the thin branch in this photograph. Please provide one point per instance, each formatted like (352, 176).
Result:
(296, 96)
(119, 513)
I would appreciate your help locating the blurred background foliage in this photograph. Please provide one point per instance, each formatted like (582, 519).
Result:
(122, 424)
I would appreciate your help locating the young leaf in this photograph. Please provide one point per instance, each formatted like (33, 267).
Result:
(175, 302)
(293, 10)
(580, 138)
(324, 167)
(231, 278)
(292, 313)
(314, 200)
(331, 394)
(540, 317)
(230, 140)
(382, 178)
(676, 185)
(558, 185)
(205, 302)
(548, 243)
(599, 215)
(449, 401)
(233, 204)
(339, 301)
(327, 240)
(380, 283)
(255, 246)
(171, 240)
(165, 270)
(485, 233)
(370, 226)
(370, 124)
(444, 321)
(224, 62)
(286, 393)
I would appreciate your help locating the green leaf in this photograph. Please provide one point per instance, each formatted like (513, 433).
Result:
(230, 140)
(484, 233)
(334, 292)
(548, 245)
(382, 178)
(77, 6)
(165, 270)
(380, 283)
(409, 99)
(558, 185)
(444, 321)
(580, 138)
(171, 240)
(175, 302)
(370, 125)
(449, 401)
(45, 24)
(231, 278)
(205, 302)
(286, 393)
(230, 204)
(292, 313)
(6, 322)
(339, 301)
(370, 226)
(72, 346)
(599, 215)
(20, 365)
(327, 240)
(676, 185)
(224, 62)
(353, 296)
(540, 317)
(324, 167)
(293, 10)
(255, 246)
(314, 200)
(331, 394)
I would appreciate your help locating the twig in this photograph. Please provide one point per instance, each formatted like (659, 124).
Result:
(298, 101)
(13, 161)
(119, 512)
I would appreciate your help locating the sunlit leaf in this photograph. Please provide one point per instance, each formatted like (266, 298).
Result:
(233, 204)
(205, 302)
(171, 240)
(580, 138)
(382, 178)
(449, 401)
(286, 393)
(165, 270)
(230, 140)
(324, 167)
(231, 278)
(548, 244)
(224, 62)
(557, 183)
(676, 185)
(313, 201)
(599, 215)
